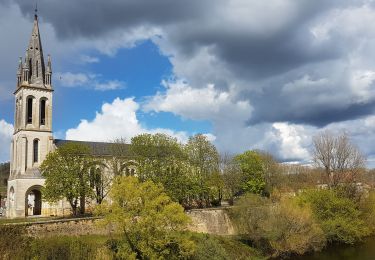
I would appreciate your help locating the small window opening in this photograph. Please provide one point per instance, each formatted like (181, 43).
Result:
(29, 110)
(30, 68)
(43, 112)
(36, 151)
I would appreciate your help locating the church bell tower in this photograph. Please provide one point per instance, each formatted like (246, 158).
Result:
(32, 138)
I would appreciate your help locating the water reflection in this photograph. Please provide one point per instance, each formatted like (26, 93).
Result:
(363, 251)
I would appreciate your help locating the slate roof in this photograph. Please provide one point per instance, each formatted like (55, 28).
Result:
(97, 148)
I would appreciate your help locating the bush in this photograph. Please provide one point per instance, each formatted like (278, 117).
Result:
(278, 229)
(338, 216)
(222, 247)
(367, 207)
(208, 248)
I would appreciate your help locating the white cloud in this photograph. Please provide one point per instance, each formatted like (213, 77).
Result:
(69, 79)
(198, 103)
(115, 120)
(6, 132)
(229, 119)
(89, 59)
(110, 85)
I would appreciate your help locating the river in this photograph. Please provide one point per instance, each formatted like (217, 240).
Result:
(362, 251)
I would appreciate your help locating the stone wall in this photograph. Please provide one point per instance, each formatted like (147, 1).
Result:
(212, 221)
(67, 227)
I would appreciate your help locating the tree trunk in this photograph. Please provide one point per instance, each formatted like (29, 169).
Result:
(82, 204)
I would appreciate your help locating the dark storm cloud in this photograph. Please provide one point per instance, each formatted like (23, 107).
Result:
(95, 18)
(318, 116)
(253, 47)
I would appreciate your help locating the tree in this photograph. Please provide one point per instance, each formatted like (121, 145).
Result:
(342, 160)
(251, 164)
(161, 158)
(66, 171)
(100, 181)
(150, 222)
(204, 159)
(232, 177)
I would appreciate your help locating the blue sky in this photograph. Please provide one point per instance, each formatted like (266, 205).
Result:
(250, 74)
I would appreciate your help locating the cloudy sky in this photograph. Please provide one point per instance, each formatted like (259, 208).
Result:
(250, 74)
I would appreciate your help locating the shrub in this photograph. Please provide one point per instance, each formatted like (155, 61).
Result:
(208, 248)
(367, 207)
(279, 229)
(338, 216)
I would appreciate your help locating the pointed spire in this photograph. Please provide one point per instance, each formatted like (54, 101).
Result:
(19, 71)
(35, 56)
(25, 63)
(49, 65)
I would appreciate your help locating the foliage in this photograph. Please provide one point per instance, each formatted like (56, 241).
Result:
(189, 173)
(4, 175)
(279, 229)
(204, 160)
(150, 222)
(208, 247)
(66, 171)
(338, 216)
(251, 164)
(222, 247)
(367, 207)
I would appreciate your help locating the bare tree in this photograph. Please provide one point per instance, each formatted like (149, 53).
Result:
(341, 159)
(232, 176)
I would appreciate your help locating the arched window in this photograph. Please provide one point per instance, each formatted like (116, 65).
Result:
(36, 151)
(29, 114)
(42, 112)
(37, 69)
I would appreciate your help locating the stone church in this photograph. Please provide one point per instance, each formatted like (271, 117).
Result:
(33, 136)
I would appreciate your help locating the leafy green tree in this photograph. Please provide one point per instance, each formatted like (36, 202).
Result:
(150, 222)
(67, 175)
(252, 166)
(161, 158)
(204, 158)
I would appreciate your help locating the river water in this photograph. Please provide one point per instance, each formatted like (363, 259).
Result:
(362, 251)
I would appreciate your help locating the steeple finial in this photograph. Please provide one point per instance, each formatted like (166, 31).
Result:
(36, 10)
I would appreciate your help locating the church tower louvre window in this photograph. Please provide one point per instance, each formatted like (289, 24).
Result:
(43, 111)
(36, 151)
(29, 114)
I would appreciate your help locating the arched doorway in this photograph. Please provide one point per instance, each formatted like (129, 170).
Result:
(33, 201)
